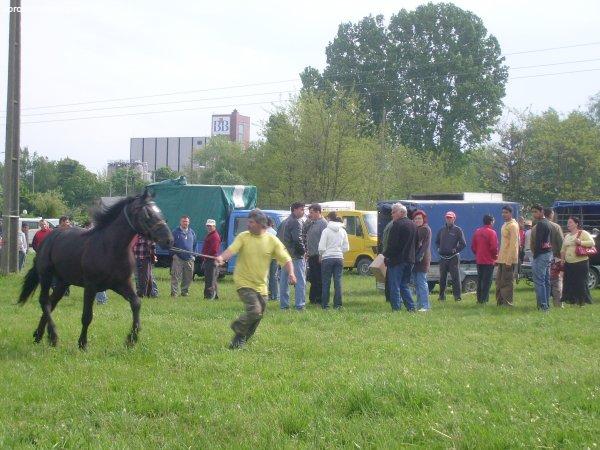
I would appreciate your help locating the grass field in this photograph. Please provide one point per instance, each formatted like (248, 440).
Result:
(462, 376)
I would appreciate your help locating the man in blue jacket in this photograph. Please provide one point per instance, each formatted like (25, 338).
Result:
(182, 267)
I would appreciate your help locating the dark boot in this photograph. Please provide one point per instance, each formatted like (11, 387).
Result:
(237, 342)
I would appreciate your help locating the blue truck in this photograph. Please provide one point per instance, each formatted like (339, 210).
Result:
(469, 209)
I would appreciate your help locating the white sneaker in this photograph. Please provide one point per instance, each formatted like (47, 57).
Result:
(422, 310)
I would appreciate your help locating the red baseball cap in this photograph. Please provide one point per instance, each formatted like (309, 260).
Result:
(451, 214)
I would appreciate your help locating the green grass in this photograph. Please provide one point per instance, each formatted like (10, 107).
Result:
(462, 376)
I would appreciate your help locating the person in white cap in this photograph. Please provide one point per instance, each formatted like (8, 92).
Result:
(450, 241)
(211, 247)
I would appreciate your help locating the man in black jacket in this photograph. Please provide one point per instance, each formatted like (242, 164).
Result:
(400, 257)
(290, 233)
(450, 241)
(541, 247)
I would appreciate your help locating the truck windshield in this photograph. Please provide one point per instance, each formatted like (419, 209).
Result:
(371, 221)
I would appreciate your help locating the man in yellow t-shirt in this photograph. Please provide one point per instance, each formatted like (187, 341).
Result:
(255, 249)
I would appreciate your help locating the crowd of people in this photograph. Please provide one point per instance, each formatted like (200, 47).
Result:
(312, 250)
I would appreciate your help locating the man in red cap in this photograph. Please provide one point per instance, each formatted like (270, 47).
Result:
(450, 241)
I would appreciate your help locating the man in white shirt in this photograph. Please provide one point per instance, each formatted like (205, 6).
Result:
(22, 244)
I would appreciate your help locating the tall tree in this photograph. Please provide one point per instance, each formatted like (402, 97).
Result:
(165, 173)
(439, 56)
(543, 158)
(223, 162)
(125, 181)
(78, 185)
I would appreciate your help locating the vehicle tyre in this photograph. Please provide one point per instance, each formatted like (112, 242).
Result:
(362, 266)
(469, 284)
(593, 278)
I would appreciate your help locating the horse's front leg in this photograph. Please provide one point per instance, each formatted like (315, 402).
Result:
(87, 315)
(127, 291)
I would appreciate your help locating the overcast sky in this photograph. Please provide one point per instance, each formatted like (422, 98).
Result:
(84, 51)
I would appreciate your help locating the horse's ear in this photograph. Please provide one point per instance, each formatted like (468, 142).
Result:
(147, 195)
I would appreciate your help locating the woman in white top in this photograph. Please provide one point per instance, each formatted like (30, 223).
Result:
(332, 246)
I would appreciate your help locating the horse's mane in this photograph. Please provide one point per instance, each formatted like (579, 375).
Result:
(103, 217)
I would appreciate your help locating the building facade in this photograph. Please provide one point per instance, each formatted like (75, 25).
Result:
(177, 152)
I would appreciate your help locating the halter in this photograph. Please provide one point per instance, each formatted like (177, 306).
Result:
(146, 228)
(128, 219)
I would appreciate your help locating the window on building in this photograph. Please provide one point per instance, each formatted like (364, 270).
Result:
(240, 137)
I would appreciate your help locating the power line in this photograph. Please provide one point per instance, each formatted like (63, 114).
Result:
(262, 83)
(586, 44)
(195, 91)
(155, 112)
(139, 105)
(258, 103)
(265, 93)
(555, 73)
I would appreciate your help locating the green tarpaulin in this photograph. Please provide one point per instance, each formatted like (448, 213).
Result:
(201, 202)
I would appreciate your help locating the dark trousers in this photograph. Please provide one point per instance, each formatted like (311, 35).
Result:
(211, 275)
(274, 280)
(485, 273)
(315, 278)
(144, 279)
(450, 265)
(332, 267)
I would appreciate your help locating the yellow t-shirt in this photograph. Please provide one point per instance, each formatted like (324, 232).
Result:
(255, 253)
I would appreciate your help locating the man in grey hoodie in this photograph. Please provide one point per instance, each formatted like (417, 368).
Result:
(313, 228)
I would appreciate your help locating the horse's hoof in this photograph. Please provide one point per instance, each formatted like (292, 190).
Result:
(53, 340)
(36, 337)
(83, 346)
(131, 340)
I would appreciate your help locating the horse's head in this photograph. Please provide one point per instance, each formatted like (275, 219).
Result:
(147, 219)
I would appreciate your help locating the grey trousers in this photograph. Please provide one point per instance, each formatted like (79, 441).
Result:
(181, 272)
(211, 275)
(254, 305)
(504, 285)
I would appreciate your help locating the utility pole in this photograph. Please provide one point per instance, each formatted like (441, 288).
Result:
(11, 156)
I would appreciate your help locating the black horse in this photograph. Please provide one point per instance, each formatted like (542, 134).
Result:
(96, 259)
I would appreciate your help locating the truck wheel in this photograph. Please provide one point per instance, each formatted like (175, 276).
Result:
(593, 278)
(469, 284)
(362, 266)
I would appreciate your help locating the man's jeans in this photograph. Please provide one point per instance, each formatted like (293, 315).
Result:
(284, 288)
(421, 289)
(329, 267)
(399, 282)
(540, 267)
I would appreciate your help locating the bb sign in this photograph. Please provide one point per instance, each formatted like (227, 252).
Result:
(220, 125)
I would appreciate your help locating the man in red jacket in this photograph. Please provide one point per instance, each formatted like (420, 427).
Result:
(40, 235)
(211, 247)
(485, 247)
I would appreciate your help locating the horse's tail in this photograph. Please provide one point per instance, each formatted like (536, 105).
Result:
(30, 283)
